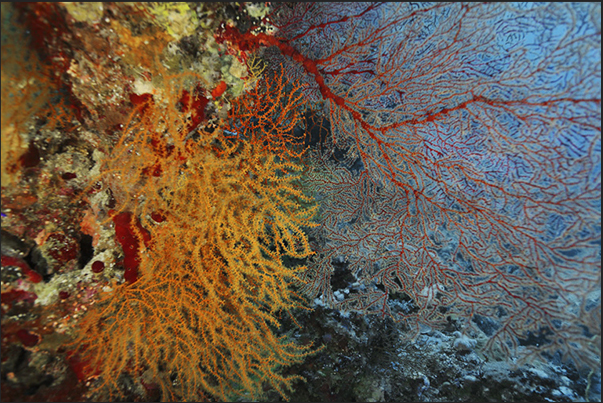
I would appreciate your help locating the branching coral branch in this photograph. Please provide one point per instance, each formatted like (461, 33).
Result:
(221, 216)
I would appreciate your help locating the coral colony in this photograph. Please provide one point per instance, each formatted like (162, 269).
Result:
(306, 201)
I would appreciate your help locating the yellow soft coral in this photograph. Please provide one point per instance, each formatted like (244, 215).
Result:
(212, 278)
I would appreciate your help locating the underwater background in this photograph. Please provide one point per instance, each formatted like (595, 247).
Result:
(301, 201)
